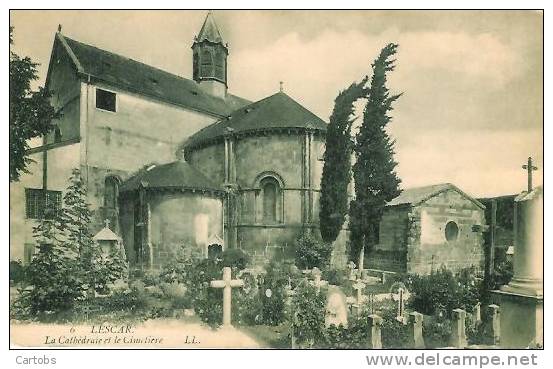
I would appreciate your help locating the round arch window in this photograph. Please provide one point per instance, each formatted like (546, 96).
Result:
(451, 231)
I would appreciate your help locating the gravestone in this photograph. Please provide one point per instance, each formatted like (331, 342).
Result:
(336, 307)
(227, 283)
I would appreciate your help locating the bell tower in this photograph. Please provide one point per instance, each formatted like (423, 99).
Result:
(210, 59)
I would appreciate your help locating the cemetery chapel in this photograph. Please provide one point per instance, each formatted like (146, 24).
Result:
(183, 164)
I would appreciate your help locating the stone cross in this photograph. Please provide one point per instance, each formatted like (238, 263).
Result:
(227, 283)
(281, 86)
(106, 223)
(530, 168)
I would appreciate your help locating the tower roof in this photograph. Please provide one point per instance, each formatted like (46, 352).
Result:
(278, 111)
(210, 31)
(176, 175)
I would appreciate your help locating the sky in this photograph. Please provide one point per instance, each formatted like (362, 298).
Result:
(472, 81)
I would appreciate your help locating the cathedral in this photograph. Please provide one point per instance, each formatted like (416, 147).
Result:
(173, 163)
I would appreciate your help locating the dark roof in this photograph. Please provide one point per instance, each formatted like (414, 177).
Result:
(418, 195)
(210, 31)
(177, 175)
(276, 111)
(143, 79)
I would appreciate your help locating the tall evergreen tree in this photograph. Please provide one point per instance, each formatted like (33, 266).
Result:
(337, 158)
(31, 114)
(376, 181)
(77, 217)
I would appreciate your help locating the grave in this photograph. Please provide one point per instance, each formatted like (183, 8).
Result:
(521, 300)
(336, 307)
(227, 283)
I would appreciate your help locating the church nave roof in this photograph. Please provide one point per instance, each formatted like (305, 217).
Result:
(144, 79)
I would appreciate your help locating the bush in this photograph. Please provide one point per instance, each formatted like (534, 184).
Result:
(275, 280)
(17, 271)
(312, 252)
(436, 331)
(443, 291)
(308, 316)
(394, 333)
(335, 277)
(235, 258)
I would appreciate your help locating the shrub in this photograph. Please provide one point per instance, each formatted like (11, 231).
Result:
(207, 301)
(312, 252)
(17, 271)
(275, 280)
(394, 333)
(335, 277)
(308, 316)
(235, 258)
(436, 331)
(443, 291)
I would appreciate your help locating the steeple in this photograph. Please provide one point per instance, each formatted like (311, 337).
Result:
(210, 58)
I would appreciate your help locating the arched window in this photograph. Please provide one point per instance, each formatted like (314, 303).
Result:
(111, 192)
(57, 135)
(270, 192)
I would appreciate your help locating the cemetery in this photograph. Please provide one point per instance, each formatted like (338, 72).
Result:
(208, 220)
(283, 306)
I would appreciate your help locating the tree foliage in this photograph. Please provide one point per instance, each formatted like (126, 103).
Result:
(312, 252)
(337, 158)
(31, 114)
(69, 263)
(376, 181)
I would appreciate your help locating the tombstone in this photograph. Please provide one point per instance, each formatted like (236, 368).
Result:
(227, 283)
(336, 307)
(521, 300)
(458, 337)
(493, 331)
(357, 306)
(375, 326)
(414, 324)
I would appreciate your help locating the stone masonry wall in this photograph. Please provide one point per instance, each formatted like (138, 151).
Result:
(428, 248)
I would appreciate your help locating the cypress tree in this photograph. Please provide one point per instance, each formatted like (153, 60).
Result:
(376, 181)
(337, 158)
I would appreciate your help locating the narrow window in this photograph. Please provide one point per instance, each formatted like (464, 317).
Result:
(207, 64)
(105, 100)
(270, 196)
(220, 65)
(111, 192)
(57, 135)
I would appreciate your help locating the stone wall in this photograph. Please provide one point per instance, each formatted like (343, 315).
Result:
(428, 247)
(177, 219)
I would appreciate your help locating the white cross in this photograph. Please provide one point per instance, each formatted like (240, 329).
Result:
(227, 283)
(106, 222)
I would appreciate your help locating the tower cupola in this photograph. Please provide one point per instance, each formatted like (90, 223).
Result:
(210, 59)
